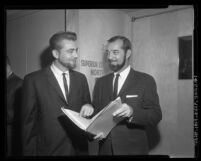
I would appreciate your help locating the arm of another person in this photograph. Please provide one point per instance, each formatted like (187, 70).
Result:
(96, 97)
(87, 109)
(29, 117)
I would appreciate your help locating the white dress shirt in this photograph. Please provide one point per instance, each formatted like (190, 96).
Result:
(58, 75)
(122, 77)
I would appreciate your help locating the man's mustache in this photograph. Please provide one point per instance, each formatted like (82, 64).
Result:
(111, 61)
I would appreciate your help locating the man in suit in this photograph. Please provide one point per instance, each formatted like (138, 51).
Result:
(14, 84)
(46, 129)
(140, 108)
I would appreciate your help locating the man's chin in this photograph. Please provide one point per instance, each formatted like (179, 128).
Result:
(71, 66)
(114, 68)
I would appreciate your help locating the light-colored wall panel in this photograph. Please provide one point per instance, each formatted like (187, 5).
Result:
(95, 28)
(72, 24)
(41, 26)
(28, 38)
(155, 41)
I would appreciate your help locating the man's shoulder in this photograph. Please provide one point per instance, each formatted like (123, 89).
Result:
(77, 74)
(16, 78)
(142, 75)
(105, 77)
(35, 74)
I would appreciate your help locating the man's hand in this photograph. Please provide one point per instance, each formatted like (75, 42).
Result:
(86, 110)
(124, 111)
(99, 136)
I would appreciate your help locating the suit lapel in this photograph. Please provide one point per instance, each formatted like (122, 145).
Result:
(53, 82)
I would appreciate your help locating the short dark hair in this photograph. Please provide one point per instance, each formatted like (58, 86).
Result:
(126, 42)
(56, 38)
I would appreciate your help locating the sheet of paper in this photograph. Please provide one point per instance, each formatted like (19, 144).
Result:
(105, 121)
(80, 121)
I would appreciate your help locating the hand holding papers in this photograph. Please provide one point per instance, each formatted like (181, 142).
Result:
(124, 111)
(101, 122)
(99, 136)
(86, 110)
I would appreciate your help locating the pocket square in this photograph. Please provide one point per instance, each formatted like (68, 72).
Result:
(131, 96)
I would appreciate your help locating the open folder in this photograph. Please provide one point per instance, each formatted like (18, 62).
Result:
(101, 122)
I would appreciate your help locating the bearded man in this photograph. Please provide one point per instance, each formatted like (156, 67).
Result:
(140, 108)
(46, 130)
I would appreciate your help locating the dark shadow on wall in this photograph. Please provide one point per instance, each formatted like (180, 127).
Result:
(46, 57)
(154, 138)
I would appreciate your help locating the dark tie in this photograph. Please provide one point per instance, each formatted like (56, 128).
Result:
(115, 86)
(65, 86)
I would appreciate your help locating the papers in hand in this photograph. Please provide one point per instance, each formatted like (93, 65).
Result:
(101, 122)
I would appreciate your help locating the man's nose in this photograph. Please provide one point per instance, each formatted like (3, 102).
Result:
(75, 54)
(109, 56)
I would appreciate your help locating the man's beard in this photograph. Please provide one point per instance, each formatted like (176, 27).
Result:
(69, 65)
(117, 67)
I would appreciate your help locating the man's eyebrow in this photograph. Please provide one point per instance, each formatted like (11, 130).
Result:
(72, 49)
(113, 50)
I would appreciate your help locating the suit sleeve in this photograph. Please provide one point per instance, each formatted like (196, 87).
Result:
(13, 101)
(29, 111)
(96, 96)
(150, 112)
(86, 95)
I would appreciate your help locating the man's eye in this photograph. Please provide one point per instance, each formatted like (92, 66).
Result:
(70, 51)
(115, 52)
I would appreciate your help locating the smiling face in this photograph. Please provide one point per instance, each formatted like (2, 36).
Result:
(116, 55)
(66, 55)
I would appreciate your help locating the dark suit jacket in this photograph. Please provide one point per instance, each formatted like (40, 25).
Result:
(46, 129)
(14, 84)
(131, 138)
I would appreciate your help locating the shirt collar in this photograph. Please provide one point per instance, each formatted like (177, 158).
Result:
(124, 73)
(57, 70)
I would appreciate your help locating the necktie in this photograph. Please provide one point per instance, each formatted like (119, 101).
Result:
(115, 86)
(65, 85)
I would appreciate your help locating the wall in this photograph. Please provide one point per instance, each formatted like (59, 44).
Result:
(95, 28)
(72, 24)
(28, 39)
(155, 41)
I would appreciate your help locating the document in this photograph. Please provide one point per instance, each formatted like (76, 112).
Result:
(101, 122)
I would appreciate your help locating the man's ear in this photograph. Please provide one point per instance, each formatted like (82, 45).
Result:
(55, 54)
(128, 53)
